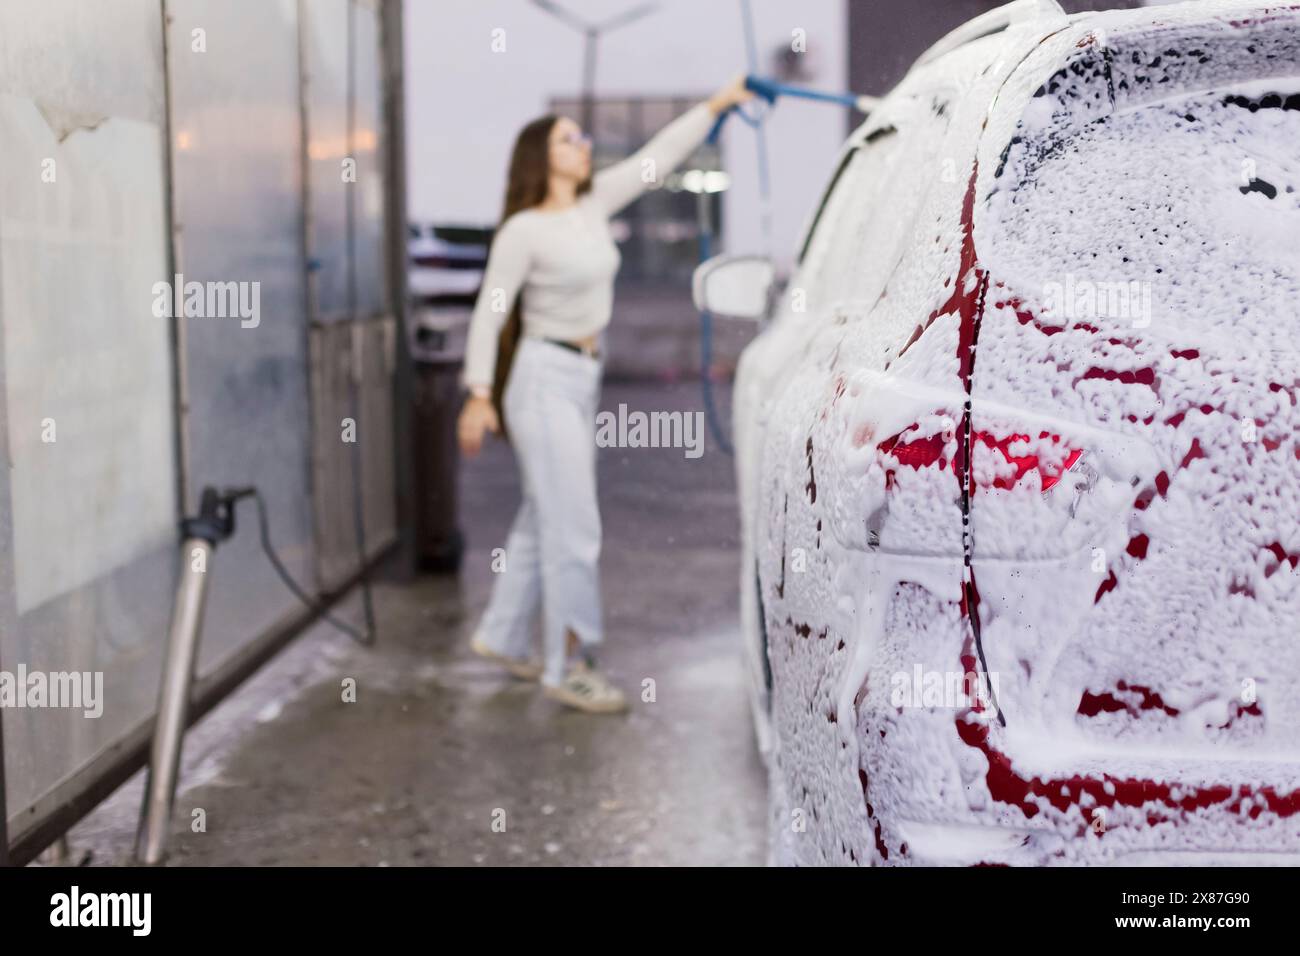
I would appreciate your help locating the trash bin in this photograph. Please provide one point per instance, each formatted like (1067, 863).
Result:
(437, 354)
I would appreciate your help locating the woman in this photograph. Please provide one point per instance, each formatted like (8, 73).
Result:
(554, 247)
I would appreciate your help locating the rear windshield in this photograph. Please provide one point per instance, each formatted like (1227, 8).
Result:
(1189, 207)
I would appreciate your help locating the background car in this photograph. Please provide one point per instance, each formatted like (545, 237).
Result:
(1018, 457)
(447, 263)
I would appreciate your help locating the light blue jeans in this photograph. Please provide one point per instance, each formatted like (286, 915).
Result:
(552, 553)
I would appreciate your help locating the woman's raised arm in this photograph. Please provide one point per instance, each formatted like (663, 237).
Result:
(618, 185)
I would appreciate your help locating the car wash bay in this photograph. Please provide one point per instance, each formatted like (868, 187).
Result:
(438, 745)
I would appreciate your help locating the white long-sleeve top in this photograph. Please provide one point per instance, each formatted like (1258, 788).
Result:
(564, 261)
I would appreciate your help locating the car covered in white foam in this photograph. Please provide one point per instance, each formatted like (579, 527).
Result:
(1019, 456)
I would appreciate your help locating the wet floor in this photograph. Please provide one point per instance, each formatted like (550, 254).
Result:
(443, 760)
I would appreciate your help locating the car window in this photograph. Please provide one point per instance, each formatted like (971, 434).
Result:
(850, 217)
(835, 196)
(868, 218)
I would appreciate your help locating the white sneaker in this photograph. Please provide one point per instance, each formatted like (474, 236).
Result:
(587, 689)
(523, 669)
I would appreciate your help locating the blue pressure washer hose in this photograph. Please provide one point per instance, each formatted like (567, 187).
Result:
(706, 359)
(768, 90)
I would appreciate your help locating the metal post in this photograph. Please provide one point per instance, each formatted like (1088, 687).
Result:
(589, 83)
(173, 701)
(4, 813)
(7, 613)
(177, 330)
(591, 32)
(358, 329)
(395, 226)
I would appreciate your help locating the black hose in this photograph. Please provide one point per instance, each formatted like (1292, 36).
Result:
(264, 527)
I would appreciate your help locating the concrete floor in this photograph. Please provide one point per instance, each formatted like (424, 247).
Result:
(439, 744)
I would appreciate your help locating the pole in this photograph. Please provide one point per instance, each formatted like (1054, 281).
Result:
(173, 701)
(404, 566)
(4, 813)
(200, 534)
(589, 82)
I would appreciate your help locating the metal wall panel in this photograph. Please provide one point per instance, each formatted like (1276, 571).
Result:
(88, 537)
(379, 363)
(325, 77)
(348, 90)
(331, 366)
(339, 351)
(87, 521)
(367, 147)
(236, 121)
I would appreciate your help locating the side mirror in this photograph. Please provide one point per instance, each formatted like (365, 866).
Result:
(738, 287)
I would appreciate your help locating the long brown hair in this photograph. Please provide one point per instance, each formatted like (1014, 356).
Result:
(526, 187)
